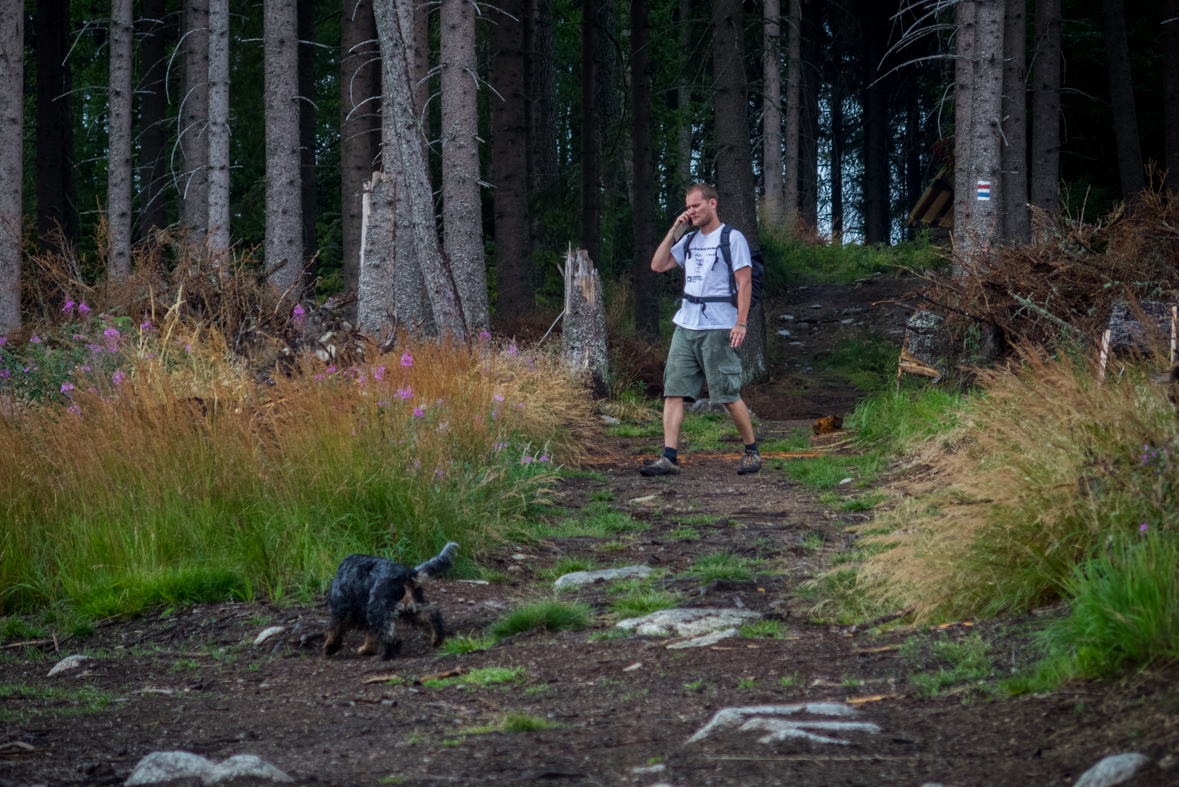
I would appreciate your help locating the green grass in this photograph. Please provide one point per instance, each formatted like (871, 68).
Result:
(964, 665)
(763, 629)
(638, 602)
(514, 722)
(466, 643)
(748, 683)
(18, 628)
(486, 676)
(697, 519)
(602, 496)
(813, 541)
(567, 565)
(869, 364)
(684, 534)
(694, 685)
(722, 565)
(790, 261)
(591, 475)
(798, 441)
(393, 778)
(862, 503)
(548, 614)
(597, 520)
(68, 702)
(788, 681)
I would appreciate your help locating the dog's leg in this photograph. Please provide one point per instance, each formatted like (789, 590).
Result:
(389, 638)
(369, 648)
(335, 636)
(431, 618)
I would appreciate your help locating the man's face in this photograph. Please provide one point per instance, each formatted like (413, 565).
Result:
(700, 210)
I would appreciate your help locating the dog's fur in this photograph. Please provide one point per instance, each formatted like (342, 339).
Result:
(372, 593)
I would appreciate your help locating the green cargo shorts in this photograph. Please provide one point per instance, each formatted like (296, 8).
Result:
(696, 356)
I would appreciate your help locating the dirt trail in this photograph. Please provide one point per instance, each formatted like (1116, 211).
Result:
(618, 704)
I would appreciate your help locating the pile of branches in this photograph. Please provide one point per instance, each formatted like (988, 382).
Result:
(1066, 283)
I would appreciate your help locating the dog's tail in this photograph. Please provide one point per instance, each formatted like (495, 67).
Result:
(439, 564)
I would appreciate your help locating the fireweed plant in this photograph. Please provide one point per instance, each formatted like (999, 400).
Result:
(163, 474)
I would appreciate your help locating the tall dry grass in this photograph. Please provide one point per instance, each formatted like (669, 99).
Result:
(1047, 466)
(178, 477)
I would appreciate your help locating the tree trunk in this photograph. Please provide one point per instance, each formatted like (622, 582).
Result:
(642, 152)
(421, 66)
(734, 155)
(1121, 88)
(307, 111)
(544, 97)
(591, 139)
(12, 117)
(462, 215)
(1171, 93)
(808, 142)
(914, 181)
(877, 214)
(376, 307)
(509, 163)
(1013, 191)
(793, 115)
(55, 137)
(1046, 108)
(360, 126)
(284, 214)
(583, 334)
(153, 117)
(118, 180)
(193, 178)
(987, 138)
(771, 116)
(964, 187)
(218, 241)
(684, 98)
(837, 161)
(402, 147)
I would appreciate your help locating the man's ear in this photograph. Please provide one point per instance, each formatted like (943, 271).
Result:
(712, 204)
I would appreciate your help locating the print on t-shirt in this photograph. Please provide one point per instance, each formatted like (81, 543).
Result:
(707, 276)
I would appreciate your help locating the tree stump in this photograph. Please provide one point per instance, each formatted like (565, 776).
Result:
(584, 330)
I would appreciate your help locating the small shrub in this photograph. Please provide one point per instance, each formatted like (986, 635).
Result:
(722, 565)
(549, 614)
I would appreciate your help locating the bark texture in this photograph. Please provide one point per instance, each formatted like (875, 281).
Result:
(541, 92)
(421, 65)
(809, 131)
(307, 111)
(462, 214)
(402, 146)
(642, 156)
(1014, 188)
(837, 133)
(284, 214)
(793, 114)
(1171, 93)
(583, 332)
(590, 132)
(771, 116)
(360, 125)
(734, 155)
(218, 222)
(376, 308)
(118, 181)
(192, 181)
(1121, 88)
(509, 162)
(12, 115)
(877, 215)
(986, 138)
(153, 111)
(684, 98)
(55, 136)
(1045, 156)
(964, 68)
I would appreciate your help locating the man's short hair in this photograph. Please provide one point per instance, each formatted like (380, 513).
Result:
(706, 191)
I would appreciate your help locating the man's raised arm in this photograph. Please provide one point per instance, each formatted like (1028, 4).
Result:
(663, 261)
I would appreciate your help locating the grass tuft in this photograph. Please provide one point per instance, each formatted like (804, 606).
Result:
(547, 614)
(466, 643)
(722, 565)
(482, 677)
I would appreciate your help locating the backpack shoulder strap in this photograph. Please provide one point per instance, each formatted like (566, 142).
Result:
(688, 243)
(727, 252)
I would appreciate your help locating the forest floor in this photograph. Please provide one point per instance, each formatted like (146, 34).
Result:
(614, 710)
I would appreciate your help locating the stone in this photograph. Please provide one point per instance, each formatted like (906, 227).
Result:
(847, 480)
(707, 639)
(1115, 769)
(266, 634)
(781, 729)
(610, 420)
(67, 664)
(783, 333)
(656, 768)
(688, 622)
(786, 317)
(578, 578)
(648, 500)
(731, 717)
(166, 766)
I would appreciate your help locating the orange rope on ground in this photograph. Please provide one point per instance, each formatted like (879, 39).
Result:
(693, 459)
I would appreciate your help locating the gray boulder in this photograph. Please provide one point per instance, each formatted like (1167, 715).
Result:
(1115, 769)
(578, 578)
(67, 664)
(160, 767)
(688, 622)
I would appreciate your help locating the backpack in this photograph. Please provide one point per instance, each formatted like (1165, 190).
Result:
(757, 280)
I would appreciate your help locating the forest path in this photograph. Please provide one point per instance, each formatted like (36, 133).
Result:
(827, 705)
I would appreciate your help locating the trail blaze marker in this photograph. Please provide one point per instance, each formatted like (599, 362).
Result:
(984, 190)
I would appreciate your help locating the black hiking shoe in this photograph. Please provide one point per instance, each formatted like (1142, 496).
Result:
(661, 466)
(750, 463)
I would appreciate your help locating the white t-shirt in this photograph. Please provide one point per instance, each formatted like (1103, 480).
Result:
(707, 276)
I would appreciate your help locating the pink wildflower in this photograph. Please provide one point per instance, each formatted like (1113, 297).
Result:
(407, 359)
(418, 413)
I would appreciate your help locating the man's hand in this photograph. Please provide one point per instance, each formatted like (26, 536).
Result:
(737, 336)
(663, 261)
(682, 223)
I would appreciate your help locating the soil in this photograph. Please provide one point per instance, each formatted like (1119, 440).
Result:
(193, 679)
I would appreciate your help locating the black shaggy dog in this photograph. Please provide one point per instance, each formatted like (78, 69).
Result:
(372, 593)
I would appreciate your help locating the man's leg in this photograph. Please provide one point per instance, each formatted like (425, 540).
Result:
(673, 418)
(740, 415)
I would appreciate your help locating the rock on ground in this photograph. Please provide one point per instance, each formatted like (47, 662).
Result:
(688, 622)
(67, 664)
(578, 578)
(268, 633)
(707, 639)
(1112, 770)
(165, 766)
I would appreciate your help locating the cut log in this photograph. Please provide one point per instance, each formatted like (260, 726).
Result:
(584, 330)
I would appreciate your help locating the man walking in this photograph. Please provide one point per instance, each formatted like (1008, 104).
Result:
(710, 324)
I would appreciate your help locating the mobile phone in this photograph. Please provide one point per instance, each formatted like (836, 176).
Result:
(682, 229)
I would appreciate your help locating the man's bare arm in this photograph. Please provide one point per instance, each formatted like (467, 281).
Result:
(663, 261)
(744, 277)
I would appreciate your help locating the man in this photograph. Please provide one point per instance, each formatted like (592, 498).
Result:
(710, 324)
